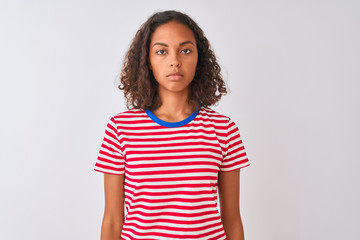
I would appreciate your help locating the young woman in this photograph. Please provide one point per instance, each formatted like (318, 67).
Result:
(165, 158)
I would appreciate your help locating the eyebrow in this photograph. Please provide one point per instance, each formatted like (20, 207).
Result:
(165, 45)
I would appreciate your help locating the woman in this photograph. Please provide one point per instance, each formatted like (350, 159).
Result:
(165, 157)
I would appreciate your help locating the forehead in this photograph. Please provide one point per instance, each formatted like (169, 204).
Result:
(172, 32)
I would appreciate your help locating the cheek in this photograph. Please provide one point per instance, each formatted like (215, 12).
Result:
(154, 62)
(154, 66)
(156, 70)
(194, 63)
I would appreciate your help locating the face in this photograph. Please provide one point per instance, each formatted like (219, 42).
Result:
(173, 57)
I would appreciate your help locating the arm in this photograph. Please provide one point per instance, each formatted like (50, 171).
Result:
(113, 219)
(229, 191)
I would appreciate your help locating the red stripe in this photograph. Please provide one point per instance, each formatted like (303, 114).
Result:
(235, 164)
(169, 193)
(110, 155)
(236, 157)
(184, 185)
(179, 150)
(165, 139)
(173, 164)
(170, 206)
(168, 200)
(108, 167)
(174, 221)
(175, 171)
(175, 229)
(165, 179)
(104, 160)
(179, 144)
(172, 157)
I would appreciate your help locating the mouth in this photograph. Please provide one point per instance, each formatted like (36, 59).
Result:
(175, 76)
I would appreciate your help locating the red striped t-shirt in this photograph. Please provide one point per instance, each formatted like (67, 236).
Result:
(171, 171)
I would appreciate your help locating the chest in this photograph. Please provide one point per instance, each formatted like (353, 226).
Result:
(172, 153)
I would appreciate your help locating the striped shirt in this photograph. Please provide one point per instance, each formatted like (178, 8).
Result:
(171, 171)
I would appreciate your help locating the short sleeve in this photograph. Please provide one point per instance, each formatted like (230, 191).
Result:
(110, 158)
(235, 156)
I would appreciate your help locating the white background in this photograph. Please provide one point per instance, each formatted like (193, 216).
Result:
(293, 71)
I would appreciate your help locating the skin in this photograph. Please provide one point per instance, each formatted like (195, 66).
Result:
(229, 198)
(173, 50)
(113, 219)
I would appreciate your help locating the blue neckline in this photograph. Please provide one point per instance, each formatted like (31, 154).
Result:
(173, 124)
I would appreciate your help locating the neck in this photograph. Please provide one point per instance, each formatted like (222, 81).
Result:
(175, 107)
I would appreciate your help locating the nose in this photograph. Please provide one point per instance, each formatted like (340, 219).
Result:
(175, 62)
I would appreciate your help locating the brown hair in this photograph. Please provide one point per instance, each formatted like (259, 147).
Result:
(137, 81)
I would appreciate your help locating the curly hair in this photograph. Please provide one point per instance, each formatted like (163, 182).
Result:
(136, 78)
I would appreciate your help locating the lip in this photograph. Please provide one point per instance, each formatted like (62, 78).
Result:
(175, 76)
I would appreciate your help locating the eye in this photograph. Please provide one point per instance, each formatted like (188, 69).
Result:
(160, 52)
(186, 51)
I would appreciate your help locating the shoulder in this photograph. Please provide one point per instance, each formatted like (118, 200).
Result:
(219, 121)
(209, 113)
(129, 115)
